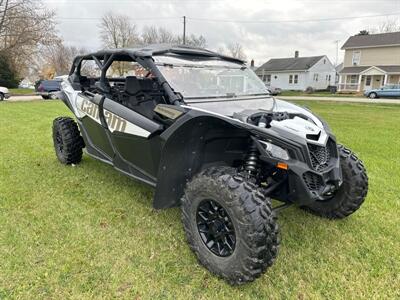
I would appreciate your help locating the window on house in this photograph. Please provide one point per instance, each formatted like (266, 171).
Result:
(368, 80)
(290, 79)
(329, 78)
(353, 79)
(324, 61)
(267, 78)
(296, 79)
(356, 58)
(315, 77)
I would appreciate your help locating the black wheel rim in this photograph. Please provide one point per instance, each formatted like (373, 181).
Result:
(215, 228)
(59, 142)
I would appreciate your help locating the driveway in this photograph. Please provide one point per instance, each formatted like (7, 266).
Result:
(341, 99)
(24, 98)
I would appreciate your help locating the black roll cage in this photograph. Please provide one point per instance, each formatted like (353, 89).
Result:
(144, 56)
(145, 62)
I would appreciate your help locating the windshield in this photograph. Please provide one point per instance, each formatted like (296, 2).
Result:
(196, 79)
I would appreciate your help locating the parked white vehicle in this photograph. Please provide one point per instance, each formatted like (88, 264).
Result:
(4, 93)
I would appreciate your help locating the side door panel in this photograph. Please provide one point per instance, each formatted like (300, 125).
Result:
(133, 138)
(95, 134)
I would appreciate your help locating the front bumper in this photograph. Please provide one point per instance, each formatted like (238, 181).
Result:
(305, 182)
(306, 185)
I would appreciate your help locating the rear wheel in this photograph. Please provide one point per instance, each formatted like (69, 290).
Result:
(53, 95)
(45, 97)
(351, 194)
(373, 95)
(68, 142)
(229, 225)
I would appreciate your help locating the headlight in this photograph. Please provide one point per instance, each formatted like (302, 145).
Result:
(275, 151)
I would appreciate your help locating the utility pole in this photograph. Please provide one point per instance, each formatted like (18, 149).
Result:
(337, 52)
(184, 30)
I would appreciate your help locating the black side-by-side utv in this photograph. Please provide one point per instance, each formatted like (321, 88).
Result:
(202, 129)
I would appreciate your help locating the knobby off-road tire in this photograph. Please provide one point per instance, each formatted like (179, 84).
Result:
(68, 142)
(252, 218)
(351, 194)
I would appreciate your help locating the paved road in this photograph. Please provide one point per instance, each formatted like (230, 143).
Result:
(341, 99)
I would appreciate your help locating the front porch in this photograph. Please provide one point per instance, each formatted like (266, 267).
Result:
(370, 78)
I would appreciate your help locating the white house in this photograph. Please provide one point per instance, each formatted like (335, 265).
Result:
(298, 73)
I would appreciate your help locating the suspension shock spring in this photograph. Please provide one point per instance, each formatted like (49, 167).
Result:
(251, 163)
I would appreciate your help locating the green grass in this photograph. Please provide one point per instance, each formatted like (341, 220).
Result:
(89, 232)
(19, 92)
(316, 94)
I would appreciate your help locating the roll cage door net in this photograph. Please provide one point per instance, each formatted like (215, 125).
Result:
(105, 62)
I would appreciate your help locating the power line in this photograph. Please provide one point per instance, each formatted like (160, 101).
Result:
(237, 21)
(291, 21)
(99, 18)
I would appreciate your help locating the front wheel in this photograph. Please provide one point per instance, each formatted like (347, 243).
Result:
(352, 192)
(229, 225)
(1, 96)
(373, 95)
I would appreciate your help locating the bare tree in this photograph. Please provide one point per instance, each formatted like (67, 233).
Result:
(57, 57)
(236, 50)
(390, 25)
(153, 34)
(25, 25)
(117, 31)
(193, 40)
(363, 32)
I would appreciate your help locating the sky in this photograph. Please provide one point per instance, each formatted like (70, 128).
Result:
(266, 29)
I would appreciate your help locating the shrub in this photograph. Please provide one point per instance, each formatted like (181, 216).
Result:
(8, 77)
(309, 90)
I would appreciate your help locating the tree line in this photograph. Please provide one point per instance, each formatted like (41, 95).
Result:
(31, 47)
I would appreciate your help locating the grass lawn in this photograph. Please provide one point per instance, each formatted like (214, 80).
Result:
(19, 92)
(89, 232)
(316, 94)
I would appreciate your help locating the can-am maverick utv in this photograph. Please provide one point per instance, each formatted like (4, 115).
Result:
(201, 128)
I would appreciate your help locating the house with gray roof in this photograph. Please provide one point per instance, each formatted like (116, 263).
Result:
(298, 73)
(370, 62)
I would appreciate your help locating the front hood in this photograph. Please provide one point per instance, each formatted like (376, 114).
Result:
(283, 106)
(302, 128)
(305, 125)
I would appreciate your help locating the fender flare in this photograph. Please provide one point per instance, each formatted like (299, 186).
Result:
(198, 141)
